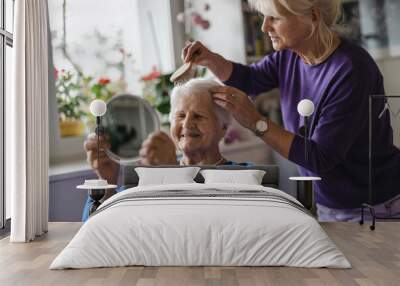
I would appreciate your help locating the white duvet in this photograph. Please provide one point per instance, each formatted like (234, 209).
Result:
(207, 230)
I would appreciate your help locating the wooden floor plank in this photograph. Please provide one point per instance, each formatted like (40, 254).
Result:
(374, 255)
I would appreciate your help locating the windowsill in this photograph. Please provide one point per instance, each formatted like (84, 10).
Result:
(67, 167)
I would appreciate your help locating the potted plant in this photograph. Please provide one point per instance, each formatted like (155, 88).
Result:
(102, 89)
(71, 102)
(156, 92)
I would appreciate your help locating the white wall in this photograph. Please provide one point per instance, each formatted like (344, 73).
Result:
(226, 33)
(390, 68)
(156, 38)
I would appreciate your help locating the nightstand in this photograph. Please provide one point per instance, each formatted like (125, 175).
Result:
(96, 190)
(305, 192)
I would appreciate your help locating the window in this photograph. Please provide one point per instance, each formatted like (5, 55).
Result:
(6, 43)
(100, 50)
(113, 51)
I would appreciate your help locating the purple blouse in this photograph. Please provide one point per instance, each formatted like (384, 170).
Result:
(338, 130)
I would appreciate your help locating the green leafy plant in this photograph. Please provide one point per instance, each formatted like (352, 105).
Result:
(70, 99)
(156, 90)
(74, 93)
(163, 90)
(101, 89)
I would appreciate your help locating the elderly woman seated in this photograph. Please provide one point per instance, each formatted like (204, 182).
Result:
(197, 127)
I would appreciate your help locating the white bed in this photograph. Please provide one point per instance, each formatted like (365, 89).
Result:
(203, 225)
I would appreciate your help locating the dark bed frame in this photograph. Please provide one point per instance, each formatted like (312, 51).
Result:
(128, 176)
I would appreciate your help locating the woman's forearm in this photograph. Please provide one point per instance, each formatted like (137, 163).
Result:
(221, 67)
(278, 138)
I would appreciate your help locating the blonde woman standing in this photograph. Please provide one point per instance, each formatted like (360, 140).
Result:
(313, 62)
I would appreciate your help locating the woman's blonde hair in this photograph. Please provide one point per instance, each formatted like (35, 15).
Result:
(330, 11)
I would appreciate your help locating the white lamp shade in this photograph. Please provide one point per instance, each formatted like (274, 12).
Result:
(98, 107)
(305, 107)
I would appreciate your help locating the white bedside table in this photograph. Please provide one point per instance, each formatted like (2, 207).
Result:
(96, 190)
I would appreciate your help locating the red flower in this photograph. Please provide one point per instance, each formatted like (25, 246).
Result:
(197, 19)
(153, 75)
(55, 73)
(103, 81)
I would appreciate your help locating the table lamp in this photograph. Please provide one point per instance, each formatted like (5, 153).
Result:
(96, 188)
(98, 108)
(305, 108)
(305, 193)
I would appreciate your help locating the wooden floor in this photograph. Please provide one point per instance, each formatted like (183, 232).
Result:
(374, 255)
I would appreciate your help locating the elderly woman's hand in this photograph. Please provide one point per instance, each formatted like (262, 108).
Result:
(238, 104)
(158, 149)
(107, 169)
(197, 53)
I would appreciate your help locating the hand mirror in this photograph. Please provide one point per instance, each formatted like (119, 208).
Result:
(127, 123)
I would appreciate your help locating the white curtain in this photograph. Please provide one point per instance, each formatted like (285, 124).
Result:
(27, 122)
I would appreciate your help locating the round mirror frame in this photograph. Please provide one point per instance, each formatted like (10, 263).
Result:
(153, 115)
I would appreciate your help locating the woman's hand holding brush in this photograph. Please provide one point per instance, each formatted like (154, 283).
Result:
(197, 53)
(202, 56)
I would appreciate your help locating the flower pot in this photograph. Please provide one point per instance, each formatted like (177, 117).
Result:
(71, 127)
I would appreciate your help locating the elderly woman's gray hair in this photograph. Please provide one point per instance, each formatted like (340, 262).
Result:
(329, 11)
(199, 87)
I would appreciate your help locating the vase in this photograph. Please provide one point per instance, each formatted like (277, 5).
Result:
(71, 127)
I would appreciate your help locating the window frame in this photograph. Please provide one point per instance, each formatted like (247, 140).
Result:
(64, 150)
(6, 39)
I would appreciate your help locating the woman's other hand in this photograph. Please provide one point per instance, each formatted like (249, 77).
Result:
(158, 149)
(105, 169)
(244, 111)
(197, 53)
(238, 104)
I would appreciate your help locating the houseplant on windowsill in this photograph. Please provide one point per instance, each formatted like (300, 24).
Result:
(156, 90)
(102, 89)
(70, 102)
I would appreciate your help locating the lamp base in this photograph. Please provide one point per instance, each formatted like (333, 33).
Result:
(305, 195)
(305, 192)
(96, 195)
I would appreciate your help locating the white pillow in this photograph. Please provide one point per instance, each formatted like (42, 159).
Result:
(163, 176)
(248, 177)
